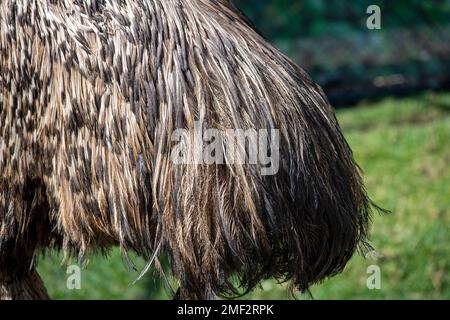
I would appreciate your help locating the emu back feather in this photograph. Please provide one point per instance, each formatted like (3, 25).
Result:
(90, 94)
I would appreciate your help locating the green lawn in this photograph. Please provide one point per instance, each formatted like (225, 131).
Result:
(403, 146)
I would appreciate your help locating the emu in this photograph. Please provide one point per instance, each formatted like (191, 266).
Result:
(90, 95)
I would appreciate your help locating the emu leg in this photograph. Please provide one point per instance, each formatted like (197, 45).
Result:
(19, 279)
(193, 294)
(22, 233)
(27, 286)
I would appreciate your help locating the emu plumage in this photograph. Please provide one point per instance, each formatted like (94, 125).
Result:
(90, 93)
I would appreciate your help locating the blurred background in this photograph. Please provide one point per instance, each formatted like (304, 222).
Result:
(391, 89)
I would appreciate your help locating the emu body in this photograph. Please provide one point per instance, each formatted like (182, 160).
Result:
(90, 94)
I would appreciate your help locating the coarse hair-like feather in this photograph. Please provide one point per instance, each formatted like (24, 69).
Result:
(90, 95)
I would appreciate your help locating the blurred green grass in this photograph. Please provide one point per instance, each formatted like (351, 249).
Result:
(403, 146)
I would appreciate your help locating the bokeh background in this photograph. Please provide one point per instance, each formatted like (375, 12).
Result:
(391, 89)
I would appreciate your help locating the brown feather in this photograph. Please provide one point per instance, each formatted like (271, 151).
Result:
(90, 95)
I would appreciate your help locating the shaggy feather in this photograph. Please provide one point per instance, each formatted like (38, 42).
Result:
(90, 94)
